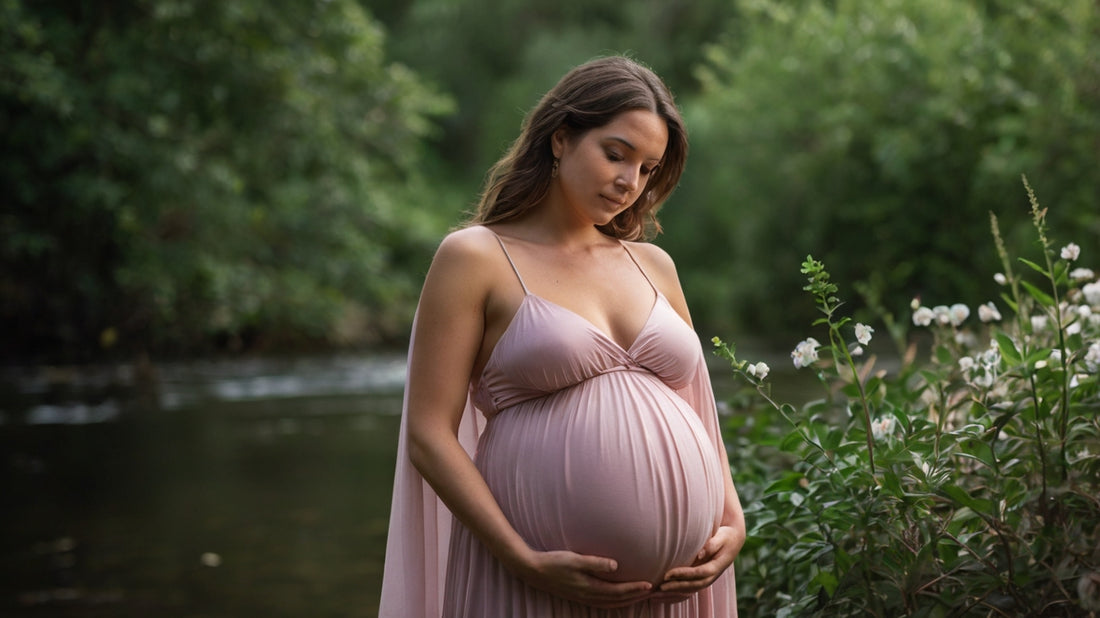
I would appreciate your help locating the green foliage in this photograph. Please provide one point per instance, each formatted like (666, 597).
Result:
(186, 170)
(881, 134)
(497, 57)
(177, 171)
(966, 485)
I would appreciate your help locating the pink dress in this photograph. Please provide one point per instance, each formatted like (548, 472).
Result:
(586, 446)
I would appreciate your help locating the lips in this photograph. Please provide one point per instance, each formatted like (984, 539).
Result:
(618, 202)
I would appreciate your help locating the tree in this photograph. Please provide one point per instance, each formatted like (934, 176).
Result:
(182, 171)
(879, 136)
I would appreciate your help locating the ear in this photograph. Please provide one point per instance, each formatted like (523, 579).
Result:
(558, 140)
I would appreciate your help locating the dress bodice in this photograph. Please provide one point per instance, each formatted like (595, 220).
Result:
(547, 348)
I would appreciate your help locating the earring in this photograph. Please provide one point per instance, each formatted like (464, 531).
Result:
(554, 169)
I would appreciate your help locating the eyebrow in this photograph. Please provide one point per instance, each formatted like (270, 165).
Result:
(624, 142)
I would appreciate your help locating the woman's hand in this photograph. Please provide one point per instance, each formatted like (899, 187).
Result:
(580, 578)
(713, 560)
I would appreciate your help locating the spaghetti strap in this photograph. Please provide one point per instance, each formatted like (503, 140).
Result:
(640, 269)
(509, 257)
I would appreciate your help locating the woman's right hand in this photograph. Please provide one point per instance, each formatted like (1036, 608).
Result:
(580, 578)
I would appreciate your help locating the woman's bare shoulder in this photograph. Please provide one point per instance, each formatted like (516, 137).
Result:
(468, 261)
(474, 239)
(656, 260)
(468, 248)
(661, 269)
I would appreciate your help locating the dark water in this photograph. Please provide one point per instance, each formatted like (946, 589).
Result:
(241, 489)
(220, 489)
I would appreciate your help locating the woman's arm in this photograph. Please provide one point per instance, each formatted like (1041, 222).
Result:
(451, 323)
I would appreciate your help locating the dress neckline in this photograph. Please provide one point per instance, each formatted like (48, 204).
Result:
(628, 351)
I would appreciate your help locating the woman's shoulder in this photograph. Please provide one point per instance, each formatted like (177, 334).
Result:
(661, 269)
(475, 243)
(474, 254)
(656, 260)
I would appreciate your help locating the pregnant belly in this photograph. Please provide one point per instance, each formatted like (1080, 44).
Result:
(618, 466)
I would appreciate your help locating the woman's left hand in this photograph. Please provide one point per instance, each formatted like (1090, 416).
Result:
(713, 560)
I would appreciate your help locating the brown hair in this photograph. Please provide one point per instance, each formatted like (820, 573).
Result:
(588, 97)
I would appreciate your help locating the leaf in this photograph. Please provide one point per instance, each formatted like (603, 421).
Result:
(788, 482)
(891, 483)
(1035, 267)
(791, 443)
(1008, 300)
(944, 355)
(962, 497)
(1008, 348)
(1061, 273)
(827, 581)
(1044, 299)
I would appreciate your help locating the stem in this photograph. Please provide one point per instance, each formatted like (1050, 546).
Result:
(1042, 448)
(1039, 220)
(1006, 263)
(833, 337)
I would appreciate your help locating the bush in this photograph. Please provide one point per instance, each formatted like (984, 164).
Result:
(880, 133)
(186, 171)
(963, 485)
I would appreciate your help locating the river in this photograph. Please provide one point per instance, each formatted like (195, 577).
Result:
(213, 489)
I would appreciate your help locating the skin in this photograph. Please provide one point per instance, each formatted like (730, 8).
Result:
(470, 295)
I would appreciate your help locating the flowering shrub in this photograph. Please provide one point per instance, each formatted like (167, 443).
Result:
(962, 484)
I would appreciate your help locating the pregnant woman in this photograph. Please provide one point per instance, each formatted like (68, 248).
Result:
(560, 453)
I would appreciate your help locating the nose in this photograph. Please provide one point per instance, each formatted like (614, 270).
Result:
(628, 179)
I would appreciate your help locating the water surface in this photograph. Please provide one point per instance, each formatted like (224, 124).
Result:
(212, 489)
(244, 488)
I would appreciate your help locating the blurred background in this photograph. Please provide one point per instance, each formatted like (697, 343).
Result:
(215, 218)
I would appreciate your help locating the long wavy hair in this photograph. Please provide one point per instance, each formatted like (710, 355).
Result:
(588, 97)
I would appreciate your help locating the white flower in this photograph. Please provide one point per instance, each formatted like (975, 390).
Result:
(857, 351)
(863, 333)
(1038, 322)
(958, 313)
(915, 303)
(882, 427)
(210, 559)
(1071, 252)
(923, 316)
(991, 357)
(1077, 379)
(988, 313)
(759, 370)
(1092, 293)
(966, 338)
(966, 363)
(1082, 274)
(1084, 312)
(1092, 359)
(1000, 279)
(1073, 329)
(1040, 364)
(1056, 356)
(942, 313)
(805, 353)
(985, 380)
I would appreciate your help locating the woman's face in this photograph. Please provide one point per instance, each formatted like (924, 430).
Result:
(603, 171)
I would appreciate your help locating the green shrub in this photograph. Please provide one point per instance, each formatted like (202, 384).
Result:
(967, 484)
(880, 133)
